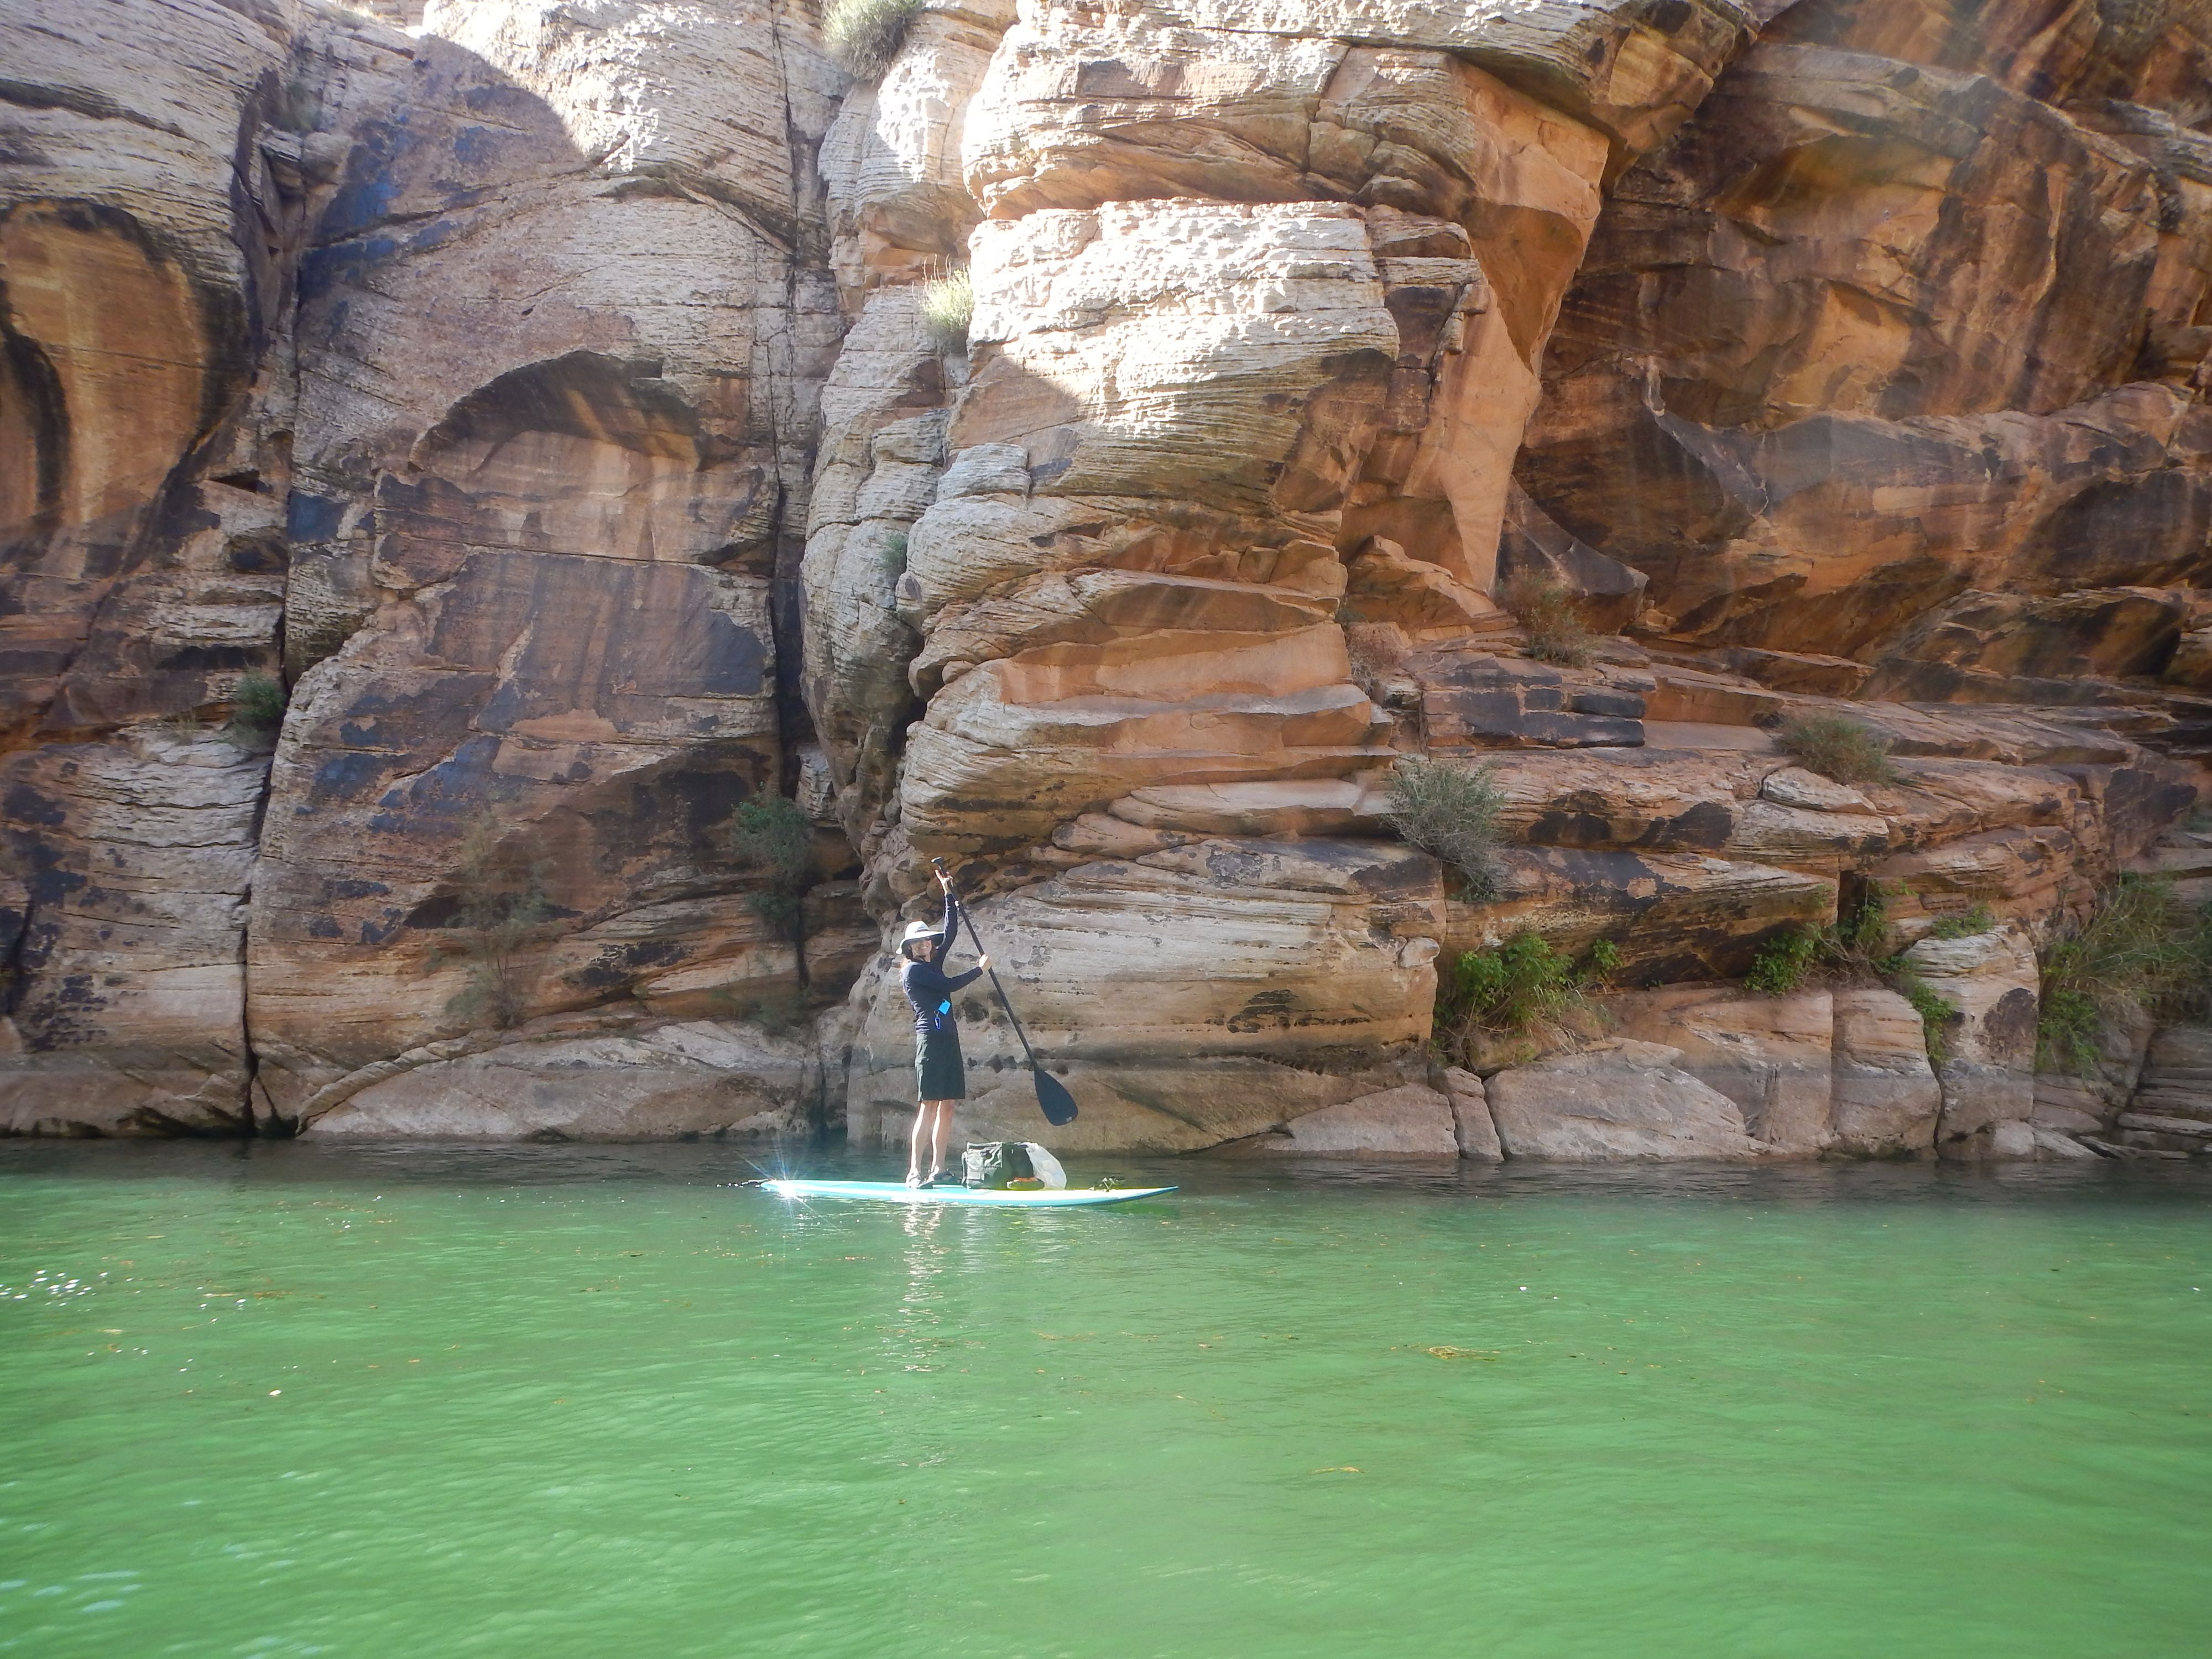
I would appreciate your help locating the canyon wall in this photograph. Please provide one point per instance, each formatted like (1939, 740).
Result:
(557, 407)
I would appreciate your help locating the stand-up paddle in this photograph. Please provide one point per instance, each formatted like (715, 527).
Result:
(1053, 1099)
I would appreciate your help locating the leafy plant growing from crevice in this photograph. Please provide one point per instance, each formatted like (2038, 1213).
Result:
(948, 305)
(2138, 952)
(1780, 964)
(1937, 1015)
(1451, 811)
(1855, 946)
(501, 904)
(1520, 989)
(1838, 748)
(1548, 619)
(256, 707)
(866, 35)
(771, 834)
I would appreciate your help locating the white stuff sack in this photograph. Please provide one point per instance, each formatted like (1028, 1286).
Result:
(1044, 1166)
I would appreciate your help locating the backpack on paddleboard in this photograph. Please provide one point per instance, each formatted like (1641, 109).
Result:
(1010, 1164)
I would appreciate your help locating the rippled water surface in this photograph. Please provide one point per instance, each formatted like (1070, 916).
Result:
(555, 1401)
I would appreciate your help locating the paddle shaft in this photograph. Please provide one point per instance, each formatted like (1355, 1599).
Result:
(999, 990)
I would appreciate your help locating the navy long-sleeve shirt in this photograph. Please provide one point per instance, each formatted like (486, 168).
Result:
(929, 986)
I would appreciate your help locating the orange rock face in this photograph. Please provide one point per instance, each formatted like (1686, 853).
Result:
(572, 418)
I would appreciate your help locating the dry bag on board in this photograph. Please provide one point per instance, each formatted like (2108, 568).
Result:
(1010, 1164)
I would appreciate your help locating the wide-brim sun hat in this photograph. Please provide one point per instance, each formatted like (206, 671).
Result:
(915, 930)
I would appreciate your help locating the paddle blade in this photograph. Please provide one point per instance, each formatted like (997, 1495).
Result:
(1053, 1099)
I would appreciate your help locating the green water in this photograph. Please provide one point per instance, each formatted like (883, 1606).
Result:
(552, 1401)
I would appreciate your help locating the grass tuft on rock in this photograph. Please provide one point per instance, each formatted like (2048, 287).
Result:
(2138, 952)
(1554, 629)
(864, 35)
(257, 710)
(1452, 811)
(948, 305)
(1979, 919)
(1838, 748)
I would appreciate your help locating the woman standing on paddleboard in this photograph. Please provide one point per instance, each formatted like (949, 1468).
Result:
(940, 1077)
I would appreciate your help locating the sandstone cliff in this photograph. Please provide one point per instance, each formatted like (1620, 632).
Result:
(559, 404)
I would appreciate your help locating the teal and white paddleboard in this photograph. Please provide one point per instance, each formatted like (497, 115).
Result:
(895, 1192)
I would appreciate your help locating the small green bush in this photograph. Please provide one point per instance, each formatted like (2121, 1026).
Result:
(2138, 952)
(1452, 811)
(1547, 617)
(1861, 935)
(1783, 962)
(1855, 946)
(257, 704)
(948, 305)
(864, 35)
(771, 834)
(1838, 747)
(1521, 989)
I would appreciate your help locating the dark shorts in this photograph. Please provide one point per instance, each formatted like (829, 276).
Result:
(938, 1072)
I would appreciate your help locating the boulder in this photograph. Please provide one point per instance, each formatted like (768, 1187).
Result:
(1412, 1121)
(1472, 1125)
(1773, 1056)
(2054, 1147)
(676, 1082)
(1884, 1094)
(1625, 1101)
(2177, 1075)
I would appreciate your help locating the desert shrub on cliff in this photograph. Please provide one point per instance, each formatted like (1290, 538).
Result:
(1838, 747)
(2139, 951)
(948, 305)
(864, 35)
(771, 834)
(257, 705)
(893, 557)
(1855, 948)
(1452, 811)
(1547, 617)
(1522, 990)
(501, 903)
(1782, 964)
